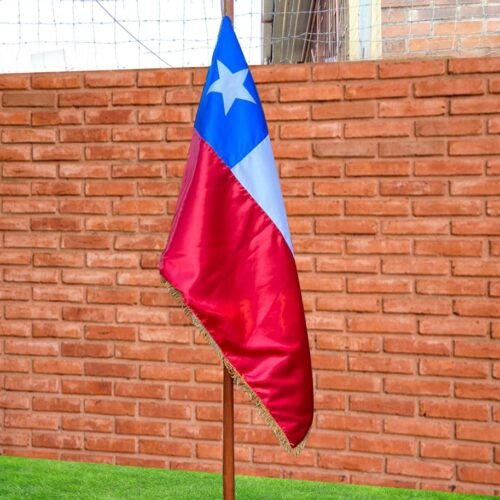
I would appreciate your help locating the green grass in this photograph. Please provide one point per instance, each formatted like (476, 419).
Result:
(46, 479)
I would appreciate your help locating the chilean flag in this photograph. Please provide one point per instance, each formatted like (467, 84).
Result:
(229, 253)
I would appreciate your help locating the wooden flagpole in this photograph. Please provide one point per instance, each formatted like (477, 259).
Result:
(228, 402)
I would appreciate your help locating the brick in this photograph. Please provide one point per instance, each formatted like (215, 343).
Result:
(474, 147)
(477, 349)
(430, 107)
(417, 306)
(62, 153)
(32, 312)
(55, 404)
(152, 447)
(452, 248)
(474, 65)
(310, 130)
(86, 387)
(143, 134)
(297, 169)
(344, 71)
(453, 368)
(76, 171)
(80, 350)
(114, 445)
(474, 105)
(408, 467)
(162, 78)
(164, 410)
(110, 332)
(28, 135)
(376, 207)
(379, 324)
(121, 152)
(476, 227)
(348, 423)
(79, 99)
(31, 384)
(465, 452)
(382, 404)
(14, 82)
(345, 226)
(108, 369)
(481, 308)
(183, 96)
(57, 441)
(111, 116)
(454, 410)
(417, 387)
(378, 90)
(86, 241)
(471, 390)
(483, 268)
(84, 135)
(311, 93)
(418, 68)
(31, 348)
(140, 390)
(448, 167)
(427, 208)
(112, 296)
(50, 330)
(91, 314)
(350, 462)
(420, 227)
(62, 117)
(14, 118)
(23, 421)
(110, 79)
(386, 446)
(472, 327)
(353, 304)
(280, 73)
(59, 367)
(377, 129)
(169, 114)
(446, 87)
(14, 402)
(15, 153)
(88, 278)
(125, 426)
(56, 81)
(494, 126)
(475, 188)
(136, 97)
(435, 128)
(111, 407)
(377, 168)
(449, 287)
(378, 246)
(417, 427)
(484, 475)
(417, 346)
(412, 148)
(377, 285)
(29, 99)
(478, 432)
(163, 152)
(341, 110)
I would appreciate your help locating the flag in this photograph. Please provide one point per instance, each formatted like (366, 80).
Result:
(229, 254)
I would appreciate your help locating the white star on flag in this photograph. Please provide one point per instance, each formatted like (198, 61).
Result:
(230, 85)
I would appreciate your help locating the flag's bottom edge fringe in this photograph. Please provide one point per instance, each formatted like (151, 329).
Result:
(238, 379)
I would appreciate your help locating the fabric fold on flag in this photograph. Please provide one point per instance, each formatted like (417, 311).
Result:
(229, 255)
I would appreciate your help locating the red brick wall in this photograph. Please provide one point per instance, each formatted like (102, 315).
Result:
(440, 28)
(390, 174)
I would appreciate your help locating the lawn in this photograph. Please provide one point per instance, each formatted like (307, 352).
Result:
(46, 479)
